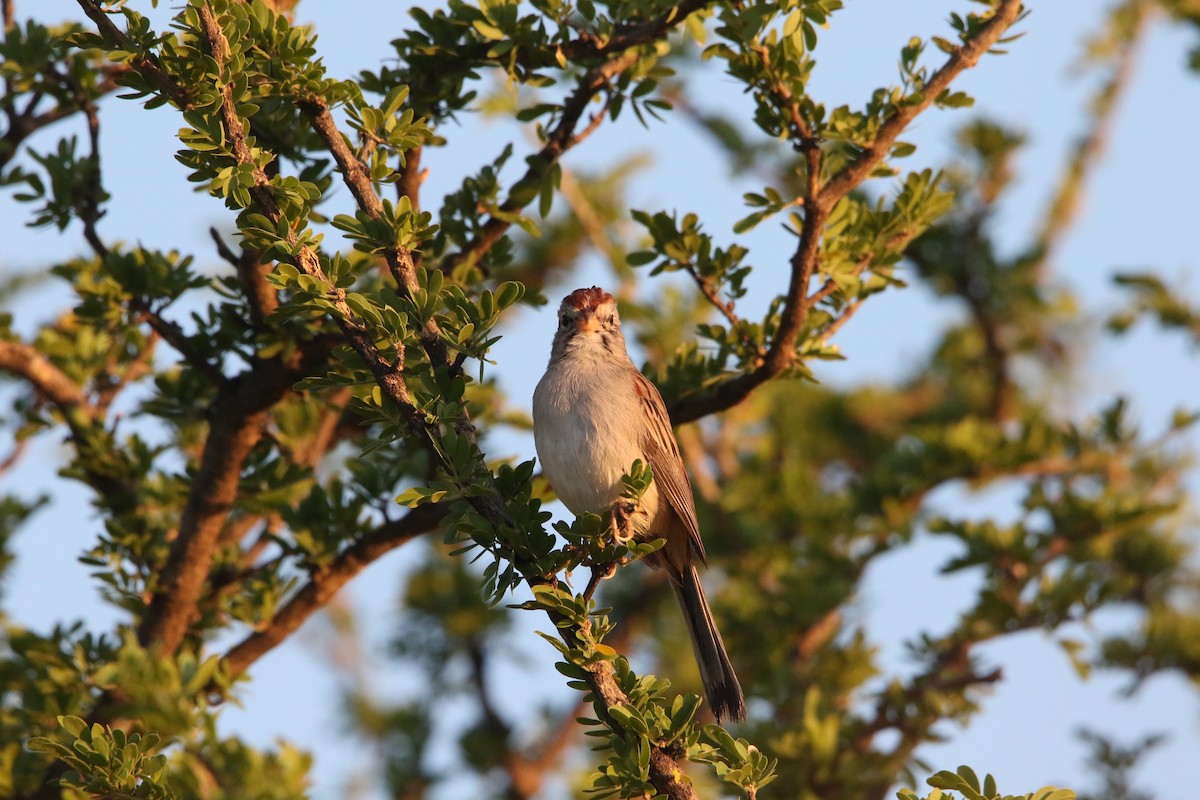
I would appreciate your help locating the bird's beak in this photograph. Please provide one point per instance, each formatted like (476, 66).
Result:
(587, 322)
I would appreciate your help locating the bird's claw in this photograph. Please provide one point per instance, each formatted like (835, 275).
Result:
(606, 571)
(622, 514)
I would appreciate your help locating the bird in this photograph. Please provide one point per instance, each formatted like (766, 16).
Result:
(594, 414)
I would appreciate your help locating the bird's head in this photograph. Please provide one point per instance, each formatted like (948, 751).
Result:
(588, 318)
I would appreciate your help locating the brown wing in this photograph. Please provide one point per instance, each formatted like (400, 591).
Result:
(662, 452)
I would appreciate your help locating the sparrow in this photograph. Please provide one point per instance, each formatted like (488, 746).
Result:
(594, 414)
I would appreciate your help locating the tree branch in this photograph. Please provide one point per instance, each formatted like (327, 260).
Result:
(169, 331)
(399, 259)
(145, 65)
(963, 58)
(23, 124)
(89, 213)
(323, 585)
(173, 335)
(818, 202)
(236, 427)
(629, 35)
(1064, 208)
(81, 415)
(560, 139)
(564, 136)
(48, 380)
(411, 178)
(781, 354)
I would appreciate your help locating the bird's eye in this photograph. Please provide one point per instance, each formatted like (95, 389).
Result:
(562, 319)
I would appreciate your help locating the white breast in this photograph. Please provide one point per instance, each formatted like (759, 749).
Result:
(586, 443)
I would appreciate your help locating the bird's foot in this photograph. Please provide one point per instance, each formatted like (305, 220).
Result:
(605, 571)
(622, 517)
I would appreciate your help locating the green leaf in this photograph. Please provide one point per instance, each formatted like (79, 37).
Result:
(488, 31)
(74, 725)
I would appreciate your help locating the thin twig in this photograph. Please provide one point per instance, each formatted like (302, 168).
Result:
(223, 249)
(183, 344)
(113, 384)
(598, 573)
(625, 36)
(710, 294)
(847, 312)
(14, 456)
(1064, 208)
(90, 213)
(561, 138)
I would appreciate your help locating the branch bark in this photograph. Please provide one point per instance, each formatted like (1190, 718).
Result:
(145, 65)
(236, 427)
(354, 173)
(47, 380)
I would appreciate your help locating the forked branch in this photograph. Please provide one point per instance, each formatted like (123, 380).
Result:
(819, 200)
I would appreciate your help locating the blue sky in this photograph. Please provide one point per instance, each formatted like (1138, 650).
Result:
(1139, 211)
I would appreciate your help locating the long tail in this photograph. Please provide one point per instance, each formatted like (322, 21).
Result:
(720, 683)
